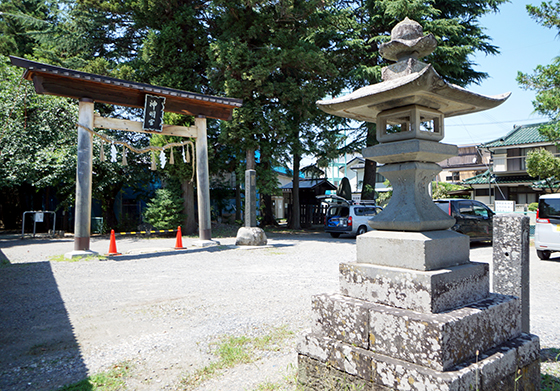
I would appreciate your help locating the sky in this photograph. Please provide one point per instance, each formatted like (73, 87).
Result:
(523, 44)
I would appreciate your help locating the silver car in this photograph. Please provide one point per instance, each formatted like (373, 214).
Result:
(348, 217)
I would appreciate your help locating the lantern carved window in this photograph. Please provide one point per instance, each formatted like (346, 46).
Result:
(409, 122)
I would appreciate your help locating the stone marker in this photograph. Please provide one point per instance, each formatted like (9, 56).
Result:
(250, 235)
(511, 260)
(250, 198)
(413, 312)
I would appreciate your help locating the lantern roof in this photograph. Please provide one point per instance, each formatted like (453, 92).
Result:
(409, 82)
(425, 88)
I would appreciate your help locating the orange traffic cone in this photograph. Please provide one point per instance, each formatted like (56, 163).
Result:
(179, 242)
(113, 245)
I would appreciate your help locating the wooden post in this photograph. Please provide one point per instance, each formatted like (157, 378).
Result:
(203, 181)
(82, 221)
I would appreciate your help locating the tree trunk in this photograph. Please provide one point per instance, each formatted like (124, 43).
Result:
(237, 201)
(370, 173)
(370, 169)
(296, 218)
(268, 211)
(189, 224)
(268, 218)
(251, 165)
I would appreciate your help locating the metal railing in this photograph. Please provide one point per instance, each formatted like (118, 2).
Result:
(38, 217)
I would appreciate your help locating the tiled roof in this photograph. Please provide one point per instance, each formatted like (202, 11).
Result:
(309, 184)
(524, 134)
(482, 179)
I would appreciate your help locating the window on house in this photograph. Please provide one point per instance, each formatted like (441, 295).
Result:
(482, 192)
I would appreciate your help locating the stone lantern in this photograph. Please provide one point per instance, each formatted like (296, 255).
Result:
(413, 312)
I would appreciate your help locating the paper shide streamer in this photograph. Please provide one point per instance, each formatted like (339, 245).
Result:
(186, 154)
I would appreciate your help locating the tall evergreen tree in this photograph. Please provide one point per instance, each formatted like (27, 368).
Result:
(274, 56)
(21, 22)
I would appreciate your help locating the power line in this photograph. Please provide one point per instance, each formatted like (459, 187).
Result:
(498, 122)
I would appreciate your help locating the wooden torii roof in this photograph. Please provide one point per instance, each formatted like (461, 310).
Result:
(53, 80)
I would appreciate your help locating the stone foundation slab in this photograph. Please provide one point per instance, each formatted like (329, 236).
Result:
(429, 250)
(437, 341)
(497, 369)
(342, 318)
(422, 291)
(441, 341)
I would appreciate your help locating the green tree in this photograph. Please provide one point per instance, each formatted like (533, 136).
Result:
(21, 22)
(544, 165)
(545, 80)
(165, 211)
(442, 190)
(37, 147)
(274, 56)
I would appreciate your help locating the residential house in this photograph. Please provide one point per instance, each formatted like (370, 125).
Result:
(507, 177)
(352, 166)
(469, 162)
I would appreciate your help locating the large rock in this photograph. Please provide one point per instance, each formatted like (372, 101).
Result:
(250, 236)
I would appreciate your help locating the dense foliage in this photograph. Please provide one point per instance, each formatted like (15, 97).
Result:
(279, 57)
(544, 165)
(165, 211)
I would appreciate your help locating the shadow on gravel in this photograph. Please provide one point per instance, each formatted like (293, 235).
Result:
(189, 252)
(6, 242)
(38, 349)
(312, 236)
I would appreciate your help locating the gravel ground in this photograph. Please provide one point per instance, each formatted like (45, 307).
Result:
(160, 310)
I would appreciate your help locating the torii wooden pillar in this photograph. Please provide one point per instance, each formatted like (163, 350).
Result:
(89, 88)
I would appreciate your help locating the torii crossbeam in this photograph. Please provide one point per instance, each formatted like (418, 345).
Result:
(88, 88)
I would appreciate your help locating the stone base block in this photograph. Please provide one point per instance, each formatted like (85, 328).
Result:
(429, 250)
(80, 254)
(423, 291)
(437, 341)
(341, 318)
(328, 365)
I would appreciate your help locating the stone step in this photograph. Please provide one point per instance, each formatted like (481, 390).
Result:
(324, 363)
(424, 291)
(437, 341)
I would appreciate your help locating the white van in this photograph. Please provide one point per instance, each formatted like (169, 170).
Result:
(547, 228)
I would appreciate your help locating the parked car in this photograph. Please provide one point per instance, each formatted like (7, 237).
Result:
(472, 218)
(348, 217)
(547, 226)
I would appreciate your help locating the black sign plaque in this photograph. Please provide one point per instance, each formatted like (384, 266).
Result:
(153, 113)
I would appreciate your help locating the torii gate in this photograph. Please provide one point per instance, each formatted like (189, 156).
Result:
(88, 88)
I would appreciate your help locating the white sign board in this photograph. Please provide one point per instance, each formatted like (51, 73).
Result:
(39, 217)
(504, 206)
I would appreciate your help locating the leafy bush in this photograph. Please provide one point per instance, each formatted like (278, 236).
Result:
(442, 190)
(533, 206)
(165, 211)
